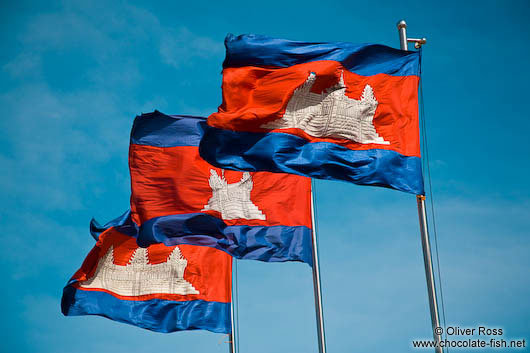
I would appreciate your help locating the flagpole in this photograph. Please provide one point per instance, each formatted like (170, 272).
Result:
(232, 347)
(427, 259)
(316, 280)
(422, 214)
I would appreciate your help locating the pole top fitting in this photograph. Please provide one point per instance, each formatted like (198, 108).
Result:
(401, 24)
(418, 42)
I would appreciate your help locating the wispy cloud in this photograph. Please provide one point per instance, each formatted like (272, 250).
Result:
(179, 47)
(52, 136)
(57, 130)
(22, 65)
(69, 93)
(373, 241)
(102, 32)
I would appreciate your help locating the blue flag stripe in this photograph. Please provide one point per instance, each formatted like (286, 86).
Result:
(161, 130)
(177, 316)
(286, 153)
(362, 59)
(263, 243)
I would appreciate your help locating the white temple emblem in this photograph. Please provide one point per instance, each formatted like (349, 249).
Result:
(232, 200)
(139, 277)
(331, 113)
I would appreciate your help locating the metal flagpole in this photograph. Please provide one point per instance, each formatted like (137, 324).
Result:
(427, 259)
(316, 280)
(422, 213)
(232, 346)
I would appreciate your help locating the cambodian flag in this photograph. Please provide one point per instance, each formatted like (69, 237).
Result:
(324, 110)
(178, 198)
(160, 288)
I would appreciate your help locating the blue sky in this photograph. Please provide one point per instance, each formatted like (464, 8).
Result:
(74, 74)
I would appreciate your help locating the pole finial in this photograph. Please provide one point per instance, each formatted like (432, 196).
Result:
(402, 30)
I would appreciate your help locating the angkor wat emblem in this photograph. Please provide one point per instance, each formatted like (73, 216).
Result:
(139, 277)
(232, 200)
(331, 113)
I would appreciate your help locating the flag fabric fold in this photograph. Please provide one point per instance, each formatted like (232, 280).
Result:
(159, 288)
(178, 198)
(124, 224)
(326, 110)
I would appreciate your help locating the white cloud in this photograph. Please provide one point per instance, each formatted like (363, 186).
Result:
(103, 31)
(23, 64)
(57, 136)
(179, 47)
